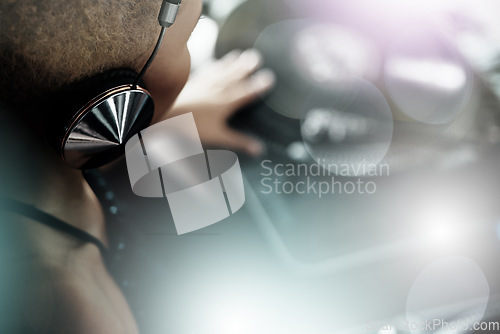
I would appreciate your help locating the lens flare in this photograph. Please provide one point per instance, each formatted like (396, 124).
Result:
(444, 289)
(355, 134)
(426, 77)
(334, 54)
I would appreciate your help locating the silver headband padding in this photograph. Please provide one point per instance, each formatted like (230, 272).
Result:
(168, 13)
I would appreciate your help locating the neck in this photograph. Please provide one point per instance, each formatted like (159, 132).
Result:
(32, 173)
(65, 194)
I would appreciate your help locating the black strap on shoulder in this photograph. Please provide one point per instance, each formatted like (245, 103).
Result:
(29, 211)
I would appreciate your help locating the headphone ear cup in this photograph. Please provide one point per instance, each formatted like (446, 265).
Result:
(99, 131)
(93, 118)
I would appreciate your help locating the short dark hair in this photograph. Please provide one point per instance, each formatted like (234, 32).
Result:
(47, 44)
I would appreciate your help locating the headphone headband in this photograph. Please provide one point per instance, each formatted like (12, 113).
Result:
(115, 108)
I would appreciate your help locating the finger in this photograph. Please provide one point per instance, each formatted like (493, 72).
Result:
(238, 141)
(217, 67)
(230, 57)
(242, 67)
(250, 60)
(252, 88)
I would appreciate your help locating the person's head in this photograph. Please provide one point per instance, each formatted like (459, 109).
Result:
(46, 45)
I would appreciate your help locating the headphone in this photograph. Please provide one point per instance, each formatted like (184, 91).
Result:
(110, 108)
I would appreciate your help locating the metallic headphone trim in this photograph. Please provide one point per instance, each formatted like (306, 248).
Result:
(90, 106)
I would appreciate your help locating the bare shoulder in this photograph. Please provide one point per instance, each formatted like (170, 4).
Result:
(41, 298)
(42, 292)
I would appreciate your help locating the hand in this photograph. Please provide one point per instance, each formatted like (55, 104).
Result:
(217, 90)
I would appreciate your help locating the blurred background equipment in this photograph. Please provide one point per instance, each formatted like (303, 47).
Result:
(412, 85)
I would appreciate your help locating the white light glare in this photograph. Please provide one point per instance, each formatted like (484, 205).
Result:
(422, 7)
(235, 322)
(442, 224)
(428, 72)
(201, 44)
